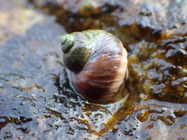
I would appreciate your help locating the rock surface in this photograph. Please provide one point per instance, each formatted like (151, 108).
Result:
(154, 33)
(36, 100)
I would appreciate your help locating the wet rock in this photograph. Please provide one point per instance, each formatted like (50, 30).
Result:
(160, 70)
(36, 100)
(144, 27)
(131, 20)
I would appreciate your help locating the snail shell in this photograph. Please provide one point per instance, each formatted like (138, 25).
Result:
(97, 61)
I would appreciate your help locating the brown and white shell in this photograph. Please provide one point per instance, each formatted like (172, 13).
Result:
(102, 75)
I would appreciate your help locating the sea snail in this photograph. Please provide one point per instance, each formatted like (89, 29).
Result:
(97, 62)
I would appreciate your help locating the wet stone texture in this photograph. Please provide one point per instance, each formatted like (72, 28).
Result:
(161, 71)
(36, 101)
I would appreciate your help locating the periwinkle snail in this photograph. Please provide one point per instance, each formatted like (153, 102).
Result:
(97, 62)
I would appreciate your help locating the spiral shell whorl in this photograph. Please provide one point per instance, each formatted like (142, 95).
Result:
(77, 49)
